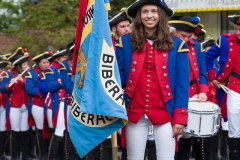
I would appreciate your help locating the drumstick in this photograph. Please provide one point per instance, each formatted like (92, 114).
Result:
(224, 88)
(20, 75)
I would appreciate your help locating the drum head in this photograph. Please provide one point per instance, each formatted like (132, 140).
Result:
(203, 106)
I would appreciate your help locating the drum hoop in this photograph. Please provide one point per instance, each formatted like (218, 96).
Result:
(203, 112)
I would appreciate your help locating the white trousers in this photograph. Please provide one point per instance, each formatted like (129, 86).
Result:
(60, 126)
(19, 118)
(233, 110)
(2, 119)
(136, 137)
(49, 118)
(37, 113)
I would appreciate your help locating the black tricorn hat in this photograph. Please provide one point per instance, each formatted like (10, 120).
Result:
(133, 8)
(3, 61)
(119, 16)
(42, 55)
(71, 45)
(185, 23)
(200, 32)
(208, 42)
(19, 56)
(235, 18)
(63, 51)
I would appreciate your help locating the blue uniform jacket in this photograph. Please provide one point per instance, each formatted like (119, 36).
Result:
(54, 86)
(227, 49)
(6, 79)
(65, 73)
(178, 74)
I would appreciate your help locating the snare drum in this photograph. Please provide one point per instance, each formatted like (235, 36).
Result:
(203, 119)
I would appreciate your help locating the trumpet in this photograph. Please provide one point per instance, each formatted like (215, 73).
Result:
(20, 75)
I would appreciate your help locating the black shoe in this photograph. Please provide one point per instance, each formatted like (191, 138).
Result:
(234, 148)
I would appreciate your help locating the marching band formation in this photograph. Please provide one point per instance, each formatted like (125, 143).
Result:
(177, 84)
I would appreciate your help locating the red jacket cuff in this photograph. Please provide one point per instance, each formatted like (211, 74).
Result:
(203, 88)
(180, 116)
(211, 75)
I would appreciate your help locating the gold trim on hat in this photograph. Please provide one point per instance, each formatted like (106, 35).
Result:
(19, 60)
(123, 10)
(14, 53)
(36, 57)
(204, 31)
(182, 22)
(58, 52)
(232, 16)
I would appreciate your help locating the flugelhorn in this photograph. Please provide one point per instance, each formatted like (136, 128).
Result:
(20, 75)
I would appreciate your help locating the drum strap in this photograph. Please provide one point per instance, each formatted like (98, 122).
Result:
(192, 82)
(234, 74)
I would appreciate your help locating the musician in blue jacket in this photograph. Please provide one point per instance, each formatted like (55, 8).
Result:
(154, 72)
(227, 49)
(55, 87)
(36, 93)
(4, 104)
(185, 28)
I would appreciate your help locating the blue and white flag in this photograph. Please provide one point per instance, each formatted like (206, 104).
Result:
(97, 108)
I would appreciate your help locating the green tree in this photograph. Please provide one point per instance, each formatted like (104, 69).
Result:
(38, 24)
(45, 23)
(116, 5)
(9, 12)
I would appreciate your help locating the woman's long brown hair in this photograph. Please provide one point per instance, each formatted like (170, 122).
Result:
(161, 36)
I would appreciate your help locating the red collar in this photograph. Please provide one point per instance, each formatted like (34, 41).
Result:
(191, 42)
(55, 64)
(233, 37)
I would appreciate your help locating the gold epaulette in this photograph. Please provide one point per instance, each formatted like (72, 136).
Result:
(43, 76)
(183, 47)
(49, 71)
(28, 75)
(218, 43)
(62, 67)
(119, 43)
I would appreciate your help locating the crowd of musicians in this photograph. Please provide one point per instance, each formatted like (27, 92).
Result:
(163, 60)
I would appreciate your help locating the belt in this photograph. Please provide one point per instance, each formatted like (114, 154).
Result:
(234, 74)
(192, 82)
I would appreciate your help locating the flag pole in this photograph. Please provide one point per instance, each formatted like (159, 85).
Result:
(114, 146)
(80, 24)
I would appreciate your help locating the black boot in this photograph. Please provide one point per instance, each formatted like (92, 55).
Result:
(55, 148)
(106, 149)
(32, 144)
(234, 148)
(2, 145)
(24, 145)
(215, 142)
(42, 145)
(184, 146)
(151, 148)
(7, 145)
(14, 145)
(70, 151)
(223, 145)
(203, 148)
